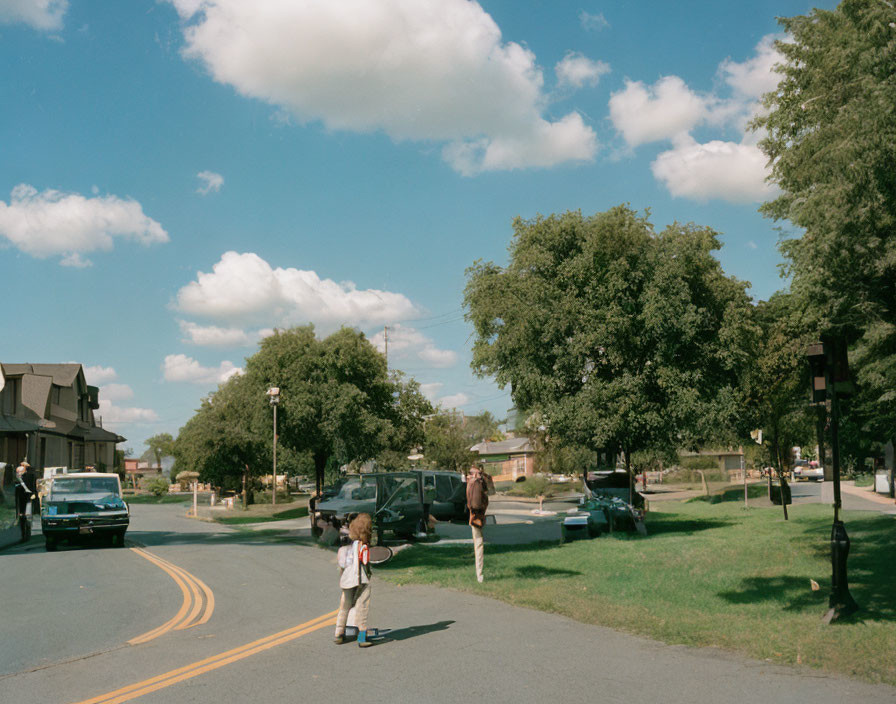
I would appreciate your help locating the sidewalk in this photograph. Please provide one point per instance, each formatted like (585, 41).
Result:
(866, 492)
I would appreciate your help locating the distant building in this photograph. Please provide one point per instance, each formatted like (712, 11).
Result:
(47, 416)
(728, 460)
(507, 460)
(141, 468)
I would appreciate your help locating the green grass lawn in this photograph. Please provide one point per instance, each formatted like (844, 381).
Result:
(242, 518)
(706, 575)
(163, 499)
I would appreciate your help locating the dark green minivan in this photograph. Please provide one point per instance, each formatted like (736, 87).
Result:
(396, 500)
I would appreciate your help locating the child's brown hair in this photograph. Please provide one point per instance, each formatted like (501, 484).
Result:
(361, 528)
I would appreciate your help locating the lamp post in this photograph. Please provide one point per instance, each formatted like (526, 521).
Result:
(274, 397)
(830, 382)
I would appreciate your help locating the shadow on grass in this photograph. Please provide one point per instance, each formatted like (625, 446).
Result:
(657, 525)
(299, 512)
(871, 570)
(540, 572)
(794, 592)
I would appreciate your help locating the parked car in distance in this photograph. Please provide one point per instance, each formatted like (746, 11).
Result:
(84, 505)
(395, 500)
(808, 470)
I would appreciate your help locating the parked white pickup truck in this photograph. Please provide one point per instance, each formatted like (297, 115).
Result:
(804, 469)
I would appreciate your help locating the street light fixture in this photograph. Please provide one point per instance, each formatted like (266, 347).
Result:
(274, 398)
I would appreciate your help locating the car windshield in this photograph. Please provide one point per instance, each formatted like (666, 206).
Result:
(71, 486)
(357, 489)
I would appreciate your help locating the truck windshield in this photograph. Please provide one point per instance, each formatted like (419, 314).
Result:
(63, 486)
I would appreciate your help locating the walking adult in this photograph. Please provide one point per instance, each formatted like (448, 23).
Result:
(25, 494)
(479, 485)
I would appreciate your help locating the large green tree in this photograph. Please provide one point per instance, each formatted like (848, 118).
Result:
(337, 401)
(620, 336)
(776, 387)
(159, 446)
(831, 142)
(225, 440)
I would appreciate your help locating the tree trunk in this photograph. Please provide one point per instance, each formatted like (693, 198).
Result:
(781, 481)
(320, 466)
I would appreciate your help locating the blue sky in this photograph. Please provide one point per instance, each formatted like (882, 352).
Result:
(179, 177)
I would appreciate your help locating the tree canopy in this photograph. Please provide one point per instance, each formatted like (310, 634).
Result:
(619, 336)
(159, 446)
(337, 404)
(831, 143)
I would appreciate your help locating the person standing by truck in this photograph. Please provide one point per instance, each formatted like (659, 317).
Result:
(479, 485)
(25, 495)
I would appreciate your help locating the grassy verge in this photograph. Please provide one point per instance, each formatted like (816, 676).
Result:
(707, 575)
(163, 499)
(250, 517)
(863, 480)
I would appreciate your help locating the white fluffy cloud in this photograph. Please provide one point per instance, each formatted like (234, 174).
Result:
(577, 70)
(431, 390)
(724, 170)
(99, 375)
(179, 367)
(755, 76)
(649, 113)
(116, 392)
(415, 69)
(41, 14)
(211, 182)
(115, 415)
(68, 224)
(244, 287)
(111, 414)
(454, 401)
(408, 343)
(213, 336)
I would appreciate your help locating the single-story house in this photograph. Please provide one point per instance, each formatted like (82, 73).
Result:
(507, 460)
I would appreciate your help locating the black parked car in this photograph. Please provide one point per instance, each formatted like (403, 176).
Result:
(395, 499)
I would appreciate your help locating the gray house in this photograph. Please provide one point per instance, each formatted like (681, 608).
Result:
(47, 416)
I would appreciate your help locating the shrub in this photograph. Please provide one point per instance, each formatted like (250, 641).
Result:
(699, 463)
(157, 486)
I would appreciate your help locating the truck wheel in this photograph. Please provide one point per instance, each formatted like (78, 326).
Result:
(50, 544)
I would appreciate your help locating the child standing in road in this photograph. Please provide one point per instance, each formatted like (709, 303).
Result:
(354, 561)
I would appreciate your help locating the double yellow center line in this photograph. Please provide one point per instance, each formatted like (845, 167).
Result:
(197, 668)
(195, 593)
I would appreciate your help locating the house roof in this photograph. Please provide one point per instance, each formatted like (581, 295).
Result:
(11, 424)
(503, 447)
(62, 374)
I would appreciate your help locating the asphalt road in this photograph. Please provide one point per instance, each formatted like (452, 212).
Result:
(67, 618)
